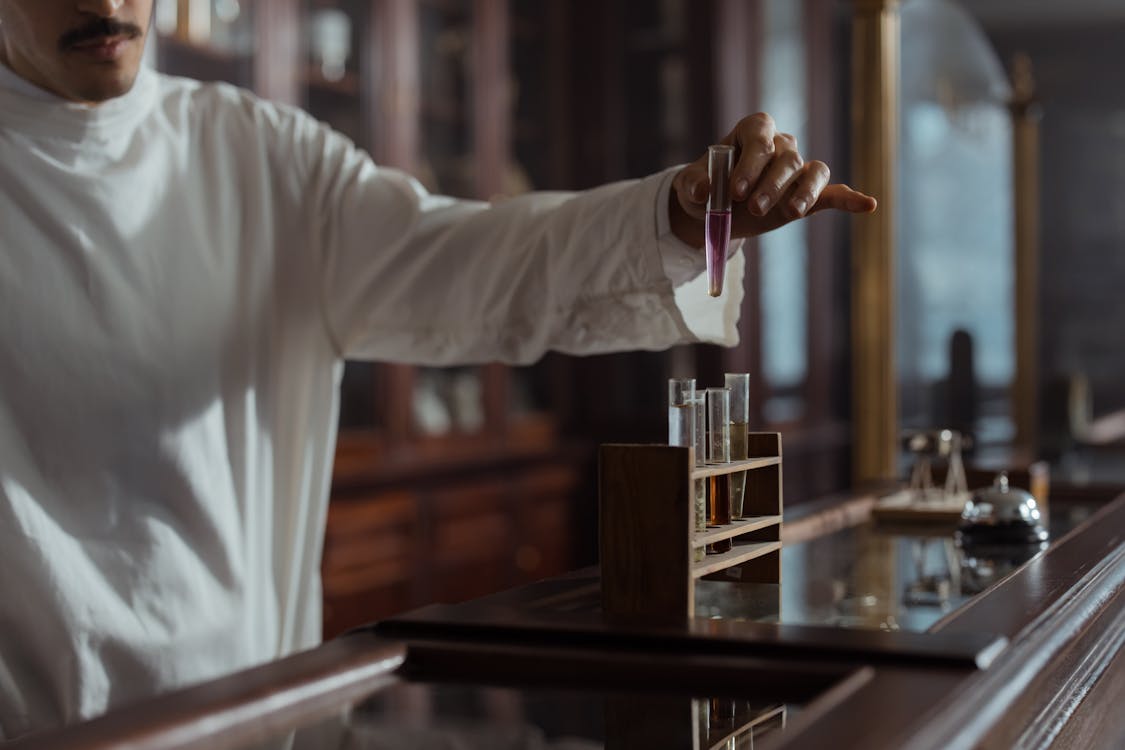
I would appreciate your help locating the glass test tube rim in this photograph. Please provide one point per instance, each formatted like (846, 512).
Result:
(681, 396)
(700, 403)
(742, 392)
(673, 382)
(719, 196)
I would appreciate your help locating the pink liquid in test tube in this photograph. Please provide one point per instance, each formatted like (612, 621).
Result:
(718, 239)
(720, 160)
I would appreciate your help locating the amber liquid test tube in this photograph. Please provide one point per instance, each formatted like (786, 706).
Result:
(718, 452)
(739, 386)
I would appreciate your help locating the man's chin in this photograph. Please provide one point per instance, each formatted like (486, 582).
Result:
(104, 86)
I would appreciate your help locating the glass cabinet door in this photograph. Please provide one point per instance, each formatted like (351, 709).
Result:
(784, 253)
(336, 87)
(955, 265)
(445, 164)
(223, 26)
(447, 400)
(336, 40)
(210, 40)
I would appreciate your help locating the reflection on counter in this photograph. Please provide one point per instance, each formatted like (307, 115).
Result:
(875, 576)
(983, 565)
(456, 717)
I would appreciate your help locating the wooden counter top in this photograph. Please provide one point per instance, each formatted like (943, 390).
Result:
(1033, 660)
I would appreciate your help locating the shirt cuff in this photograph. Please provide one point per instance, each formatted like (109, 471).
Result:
(710, 319)
(682, 262)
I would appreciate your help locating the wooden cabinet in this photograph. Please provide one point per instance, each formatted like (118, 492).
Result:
(394, 543)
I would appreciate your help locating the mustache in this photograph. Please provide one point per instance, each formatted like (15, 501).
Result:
(99, 29)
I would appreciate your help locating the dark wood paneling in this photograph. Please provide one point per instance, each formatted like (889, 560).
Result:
(400, 541)
(1097, 721)
(643, 549)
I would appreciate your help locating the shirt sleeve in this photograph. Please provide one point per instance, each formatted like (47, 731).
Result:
(412, 277)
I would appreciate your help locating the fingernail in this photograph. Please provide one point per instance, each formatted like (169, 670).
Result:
(740, 188)
(801, 205)
(763, 203)
(698, 191)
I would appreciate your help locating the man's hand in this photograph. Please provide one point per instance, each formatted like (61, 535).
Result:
(771, 185)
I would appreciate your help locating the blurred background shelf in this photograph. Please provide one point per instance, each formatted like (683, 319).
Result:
(484, 97)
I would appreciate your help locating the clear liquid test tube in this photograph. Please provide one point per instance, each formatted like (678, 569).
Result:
(718, 425)
(681, 412)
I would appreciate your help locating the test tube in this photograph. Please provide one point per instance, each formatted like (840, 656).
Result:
(718, 425)
(720, 162)
(739, 385)
(722, 710)
(701, 513)
(718, 452)
(681, 412)
(701, 711)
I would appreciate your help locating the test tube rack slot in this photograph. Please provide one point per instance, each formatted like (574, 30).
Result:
(647, 529)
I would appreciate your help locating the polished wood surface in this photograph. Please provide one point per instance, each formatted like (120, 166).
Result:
(713, 470)
(237, 711)
(645, 518)
(1064, 612)
(741, 554)
(1069, 566)
(1057, 681)
(814, 520)
(1097, 720)
(524, 665)
(525, 622)
(1074, 691)
(734, 528)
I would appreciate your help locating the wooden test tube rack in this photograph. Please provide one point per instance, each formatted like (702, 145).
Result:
(647, 526)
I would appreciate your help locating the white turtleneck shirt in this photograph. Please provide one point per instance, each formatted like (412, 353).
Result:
(182, 272)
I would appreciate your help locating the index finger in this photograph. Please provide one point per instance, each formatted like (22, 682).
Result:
(754, 138)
